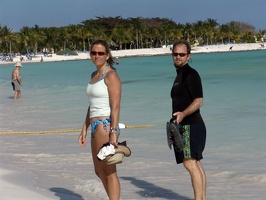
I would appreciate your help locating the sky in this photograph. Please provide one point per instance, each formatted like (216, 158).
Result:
(46, 13)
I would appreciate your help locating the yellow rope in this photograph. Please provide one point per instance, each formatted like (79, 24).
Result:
(62, 131)
(140, 126)
(41, 132)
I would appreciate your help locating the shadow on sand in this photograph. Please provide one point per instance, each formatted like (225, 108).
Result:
(152, 191)
(65, 194)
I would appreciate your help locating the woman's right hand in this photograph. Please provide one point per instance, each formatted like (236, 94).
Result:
(82, 140)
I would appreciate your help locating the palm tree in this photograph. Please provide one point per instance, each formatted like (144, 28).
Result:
(188, 29)
(64, 37)
(177, 33)
(37, 36)
(8, 36)
(225, 32)
(152, 34)
(72, 31)
(83, 33)
(137, 28)
(53, 40)
(210, 25)
(166, 31)
(248, 37)
(1, 37)
(199, 31)
(121, 35)
(25, 38)
(260, 35)
(236, 36)
(95, 29)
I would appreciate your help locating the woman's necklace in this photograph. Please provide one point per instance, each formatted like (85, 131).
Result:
(103, 72)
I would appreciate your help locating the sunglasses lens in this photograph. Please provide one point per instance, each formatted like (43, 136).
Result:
(101, 53)
(94, 53)
(182, 54)
(179, 54)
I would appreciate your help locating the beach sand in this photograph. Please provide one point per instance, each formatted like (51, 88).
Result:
(145, 52)
(18, 184)
(65, 171)
(54, 166)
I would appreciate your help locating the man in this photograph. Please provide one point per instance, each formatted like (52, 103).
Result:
(16, 80)
(187, 98)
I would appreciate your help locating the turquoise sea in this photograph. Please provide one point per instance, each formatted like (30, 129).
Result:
(234, 110)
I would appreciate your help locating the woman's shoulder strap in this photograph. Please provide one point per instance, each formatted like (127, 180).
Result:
(93, 74)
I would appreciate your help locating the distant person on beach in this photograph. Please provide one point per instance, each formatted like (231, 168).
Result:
(16, 80)
(187, 98)
(104, 92)
(117, 60)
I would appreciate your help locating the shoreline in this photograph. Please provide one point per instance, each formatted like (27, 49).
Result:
(145, 52)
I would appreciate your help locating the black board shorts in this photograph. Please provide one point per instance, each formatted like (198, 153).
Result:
(194, 139)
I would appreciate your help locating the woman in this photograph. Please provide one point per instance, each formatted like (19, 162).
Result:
(104, 92)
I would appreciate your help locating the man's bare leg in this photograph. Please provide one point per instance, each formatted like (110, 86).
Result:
(197, 178)
(204, 180)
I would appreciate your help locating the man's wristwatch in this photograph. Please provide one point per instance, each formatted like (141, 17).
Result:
(113, 130)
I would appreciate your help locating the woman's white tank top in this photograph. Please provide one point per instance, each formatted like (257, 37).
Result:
(98, 99)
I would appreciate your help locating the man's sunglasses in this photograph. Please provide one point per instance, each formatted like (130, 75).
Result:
(179, 54)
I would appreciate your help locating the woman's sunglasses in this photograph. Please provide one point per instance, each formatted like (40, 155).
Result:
(100, 53)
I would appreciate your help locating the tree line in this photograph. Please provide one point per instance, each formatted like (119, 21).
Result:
(130, 33)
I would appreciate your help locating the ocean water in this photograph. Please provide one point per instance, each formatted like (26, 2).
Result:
(234, 110)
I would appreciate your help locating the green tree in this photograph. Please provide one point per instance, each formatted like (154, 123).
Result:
(96, 30)
(133, 32)
(7, 37)
(199, 31)
(209, 26)
(225, 33)
(37, 36)
(248, 37)
(54, 39)
(121, 35)
(166, 31)
(137, 28)
(188, 30)
(25, 38)
(83, 33)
